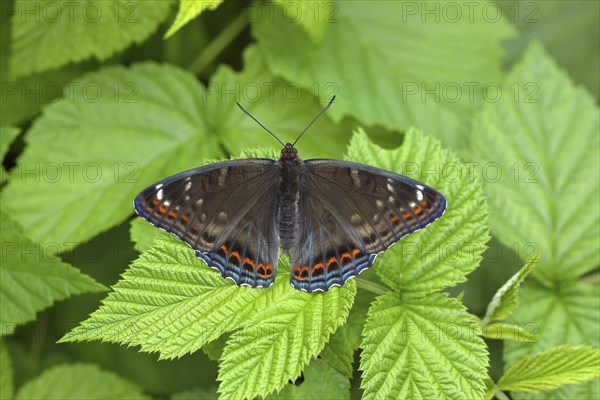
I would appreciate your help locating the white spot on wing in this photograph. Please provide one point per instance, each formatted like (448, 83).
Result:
(379, 204)
(355, 178)
(159, 186)
(390, 187)
(188, 186)
(159, 194)
(199, 202)
(420, 187)
(419, 195)
(167, 203)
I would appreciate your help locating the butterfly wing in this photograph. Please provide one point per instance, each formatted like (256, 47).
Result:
(349, 213)
(224, 211)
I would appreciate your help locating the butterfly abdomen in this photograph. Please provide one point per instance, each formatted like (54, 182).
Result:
(289, 195)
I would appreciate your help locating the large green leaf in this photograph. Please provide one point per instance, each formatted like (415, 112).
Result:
(188, 10)
(574, 46)
(170, 302)
(79, 382)
(425, 348)
(444, 253)
(31, 279)
(567, 314)
(88, 156)
(278, 341)
(544, 148)
(391, 63)
(551, 369)
(47, 35)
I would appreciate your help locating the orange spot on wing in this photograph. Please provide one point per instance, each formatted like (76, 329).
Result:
(425, 203)
(185, 218)
(355, 252)
(172, 214)
(235, 254)
(407, 216)
(394, 219)
(345, 256)
(155, 202)
(162, 209)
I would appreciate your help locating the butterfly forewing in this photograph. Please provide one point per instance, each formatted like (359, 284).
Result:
(351, 212)
(224, 212)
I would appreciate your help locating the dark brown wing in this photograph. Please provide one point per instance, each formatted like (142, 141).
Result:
(349, 213)
(224, 212)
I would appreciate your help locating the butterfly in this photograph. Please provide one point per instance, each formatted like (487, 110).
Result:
(333, 217)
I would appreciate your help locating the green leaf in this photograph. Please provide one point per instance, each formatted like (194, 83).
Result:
(49, 35)
(570, 46)
(506, 298)
(422, 348)
(144, 123)
(553, 368)
(188, 10)
(284, 107)
(148, 123)
(535, 147)
(502, 331)
(328, 376)
(31, 280)
(321, 382)
(407, 63)
(313, 16)
(23, 98)
(444, 253)
(79, 382)
(143, 234)
(7, 135)
(278, 341)
(6, 373)
(566, 315)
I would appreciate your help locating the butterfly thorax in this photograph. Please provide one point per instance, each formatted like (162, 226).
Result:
(288, 194)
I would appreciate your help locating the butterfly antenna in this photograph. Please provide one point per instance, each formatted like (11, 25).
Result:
(255, 120)
(314, 120)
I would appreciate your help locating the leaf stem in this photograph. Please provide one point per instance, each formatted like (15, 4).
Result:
(219, 43)
(500, 394)
(371, 286)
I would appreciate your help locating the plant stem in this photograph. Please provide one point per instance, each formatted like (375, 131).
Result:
(501, 395)
(214, 48)
(371, 286)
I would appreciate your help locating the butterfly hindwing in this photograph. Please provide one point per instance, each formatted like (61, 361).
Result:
(351, 212)
(224, 212)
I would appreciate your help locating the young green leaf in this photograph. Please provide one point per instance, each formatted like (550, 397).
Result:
(444, 253)
(424, 85)
(31, 280)
(506, 298)
(552, 368)
(74, 32)
(6, 373)
(278, 339)
(7, 135)
(422, 348)
(534, 138)
(79, 382)
(188, 10)
(567, 314)
(502, 331)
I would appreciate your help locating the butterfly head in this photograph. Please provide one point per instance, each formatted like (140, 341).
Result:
(289, 153)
